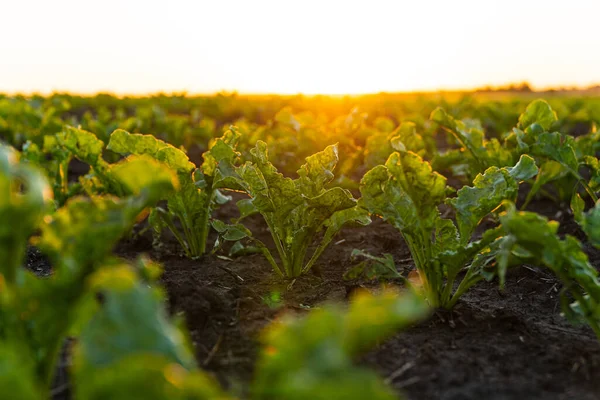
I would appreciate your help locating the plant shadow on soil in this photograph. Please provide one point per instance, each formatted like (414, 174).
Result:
(509, 344)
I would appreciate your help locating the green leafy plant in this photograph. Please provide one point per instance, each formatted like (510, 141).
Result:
(189, 208)
(295, 210)
(406, 192)
(311, 357)
(37, 314)
(533, 239)
(476, 151)
(128, 345)
(559, 156)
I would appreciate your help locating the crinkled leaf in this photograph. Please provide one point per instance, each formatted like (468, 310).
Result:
(222, 149)
(405, 192)
(488, 192)
(318, 170)
(125, 143)
(328, 202)
(82, 144)
(446, 236)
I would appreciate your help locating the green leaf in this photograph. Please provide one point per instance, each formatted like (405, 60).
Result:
(232, 232)
(83, 232)
(577, 207)
(144, 174)
(125, 143)
(548, 172)
(82, 144)
(24, 196)
(318, 170)
(323, 206)
(405, 192)
(222, 149)
(472, 138)
(246, 208)
(589, 221)
(532, 232)
(489, 190)
(373, 267)
(538, 112)
(557, 147)
(406, 138)
(525, 169)
(130, 320)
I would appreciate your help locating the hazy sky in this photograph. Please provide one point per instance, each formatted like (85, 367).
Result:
(290, 46)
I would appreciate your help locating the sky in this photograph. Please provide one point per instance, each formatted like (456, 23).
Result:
(295, 46)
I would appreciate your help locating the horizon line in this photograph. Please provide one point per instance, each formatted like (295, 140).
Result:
(511, 87)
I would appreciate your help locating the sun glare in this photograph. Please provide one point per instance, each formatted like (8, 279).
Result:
(330, 47)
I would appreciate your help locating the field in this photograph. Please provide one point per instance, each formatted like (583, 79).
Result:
(423, 246)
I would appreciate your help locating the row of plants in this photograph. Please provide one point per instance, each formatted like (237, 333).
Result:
(133, 177)
(126, 343)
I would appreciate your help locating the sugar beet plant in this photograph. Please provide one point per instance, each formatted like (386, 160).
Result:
(562, 159)
(37, 314)
(189, 208)
(406, 192)
(295, 210)
(533, 239)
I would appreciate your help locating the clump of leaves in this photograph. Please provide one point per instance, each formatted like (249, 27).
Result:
(380, 145)
(127, 343)
(533, 239)
(561, 158)
(189, 209)
(406, 192)
(37, 314)
(312, 357)
(295, 210)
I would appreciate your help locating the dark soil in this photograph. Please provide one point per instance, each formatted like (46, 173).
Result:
(510, 344)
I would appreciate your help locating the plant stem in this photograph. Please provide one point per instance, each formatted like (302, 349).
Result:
(278, 245)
